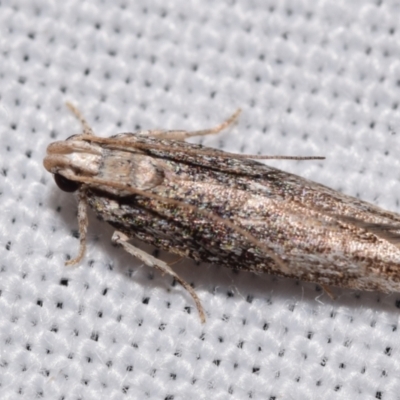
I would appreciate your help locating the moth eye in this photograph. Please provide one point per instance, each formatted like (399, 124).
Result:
(65, 184)
(72, 136)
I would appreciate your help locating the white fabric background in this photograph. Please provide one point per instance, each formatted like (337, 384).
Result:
(312, 78)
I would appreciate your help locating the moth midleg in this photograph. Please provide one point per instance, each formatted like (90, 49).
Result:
(122, 240)
(83, 222)
(86, 129)
(182, 135)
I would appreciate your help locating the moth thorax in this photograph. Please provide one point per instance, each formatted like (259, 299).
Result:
(136, 170)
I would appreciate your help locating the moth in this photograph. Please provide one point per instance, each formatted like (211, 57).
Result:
(223, 208)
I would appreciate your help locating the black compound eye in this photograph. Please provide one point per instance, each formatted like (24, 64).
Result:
(70, 137)
(66, 184)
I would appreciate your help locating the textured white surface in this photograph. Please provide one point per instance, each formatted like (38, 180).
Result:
(312, 78)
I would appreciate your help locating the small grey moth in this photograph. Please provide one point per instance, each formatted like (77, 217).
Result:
(224, 208)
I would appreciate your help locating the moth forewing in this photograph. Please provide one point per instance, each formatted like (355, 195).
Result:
(223, 208)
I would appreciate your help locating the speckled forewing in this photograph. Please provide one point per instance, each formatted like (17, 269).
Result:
(321, 235)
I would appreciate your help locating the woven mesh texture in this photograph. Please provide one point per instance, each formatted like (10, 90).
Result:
(312, 78)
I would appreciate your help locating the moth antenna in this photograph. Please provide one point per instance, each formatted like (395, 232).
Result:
(118, 144)
(86, 129)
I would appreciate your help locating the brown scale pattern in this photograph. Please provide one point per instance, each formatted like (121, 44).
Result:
(320, 235)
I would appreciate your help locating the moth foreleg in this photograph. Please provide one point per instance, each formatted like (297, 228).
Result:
(122, 240)
(83, 224)
(182, 135)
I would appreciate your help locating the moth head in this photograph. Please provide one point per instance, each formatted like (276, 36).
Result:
(65, 184)
(71, 160)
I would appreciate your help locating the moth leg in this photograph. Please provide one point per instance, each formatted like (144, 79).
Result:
(182, 135)
(122, 240)
(328, 291)
(83, 224)
(86, 129)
